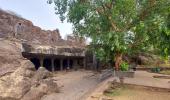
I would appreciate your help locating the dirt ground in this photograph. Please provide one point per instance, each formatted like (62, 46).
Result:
(141, 78)
(146, 79)
(74, 85)
(82, 85)
(138, 93)
(129, 94)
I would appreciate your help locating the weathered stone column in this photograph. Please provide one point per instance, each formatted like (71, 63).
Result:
(84, 63)
(41, 61)
(61, 64)
(52, 64)
(68, 63)
(75, 64)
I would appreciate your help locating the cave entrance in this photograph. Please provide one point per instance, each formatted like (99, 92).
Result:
(71, 64)
(67, 63)
(36, 62)
(47, 64)
(64, 64)
(57, 65)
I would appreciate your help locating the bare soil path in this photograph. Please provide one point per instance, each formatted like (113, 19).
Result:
(74, 85)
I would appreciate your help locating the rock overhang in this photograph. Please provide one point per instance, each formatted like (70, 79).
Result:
(48, 50)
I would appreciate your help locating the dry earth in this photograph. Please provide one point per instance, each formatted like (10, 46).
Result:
(141, 78)
(140, 94)
(74, 85)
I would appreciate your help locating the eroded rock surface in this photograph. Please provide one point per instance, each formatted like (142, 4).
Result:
(14, 26)
(18, 78)
(41, 85)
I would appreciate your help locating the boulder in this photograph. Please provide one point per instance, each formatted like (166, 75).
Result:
(13, 81)
(16, 84)
(42, 83)
(18, 77)
(28, 65)
(36, 93)
(14, 87)
(27, 84)
(42, 73)
(52, 85)
(46, 86)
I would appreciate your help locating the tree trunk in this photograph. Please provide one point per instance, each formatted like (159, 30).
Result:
(118, 60)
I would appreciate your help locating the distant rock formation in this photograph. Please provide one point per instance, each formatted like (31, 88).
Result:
(15, 26)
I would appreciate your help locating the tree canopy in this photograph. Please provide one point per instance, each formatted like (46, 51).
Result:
(118, 27)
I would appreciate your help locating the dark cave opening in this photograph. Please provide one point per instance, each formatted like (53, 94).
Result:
(71, 64)
(47, 64)
(36, 62)
(56, 64)
(67, 63)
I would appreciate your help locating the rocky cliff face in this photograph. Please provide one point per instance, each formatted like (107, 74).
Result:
(18, 78)
(13, 26)
(9, 57)
(17, 27)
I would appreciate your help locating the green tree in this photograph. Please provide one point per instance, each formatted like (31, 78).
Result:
(118, 27)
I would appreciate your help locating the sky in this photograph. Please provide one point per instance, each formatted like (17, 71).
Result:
(39, 12)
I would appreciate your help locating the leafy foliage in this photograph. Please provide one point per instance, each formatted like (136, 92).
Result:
(124, 66)
(119, 27)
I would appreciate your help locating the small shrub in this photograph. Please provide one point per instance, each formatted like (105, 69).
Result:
(156, 70)
(124, 66)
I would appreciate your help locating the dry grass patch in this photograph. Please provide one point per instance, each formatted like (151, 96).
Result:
(135, 92)
(166, 72)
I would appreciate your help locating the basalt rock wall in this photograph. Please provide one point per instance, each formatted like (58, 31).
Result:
(13, 26)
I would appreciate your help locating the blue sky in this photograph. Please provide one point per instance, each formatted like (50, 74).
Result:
(39, 12)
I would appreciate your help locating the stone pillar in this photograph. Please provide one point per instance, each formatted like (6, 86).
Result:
(52, 64)
(61, 64)
(84, 63)
(68, 63)
(75, 64)
(41, 61)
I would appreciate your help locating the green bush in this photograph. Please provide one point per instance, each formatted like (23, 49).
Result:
(156, 70)
(124, 66)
